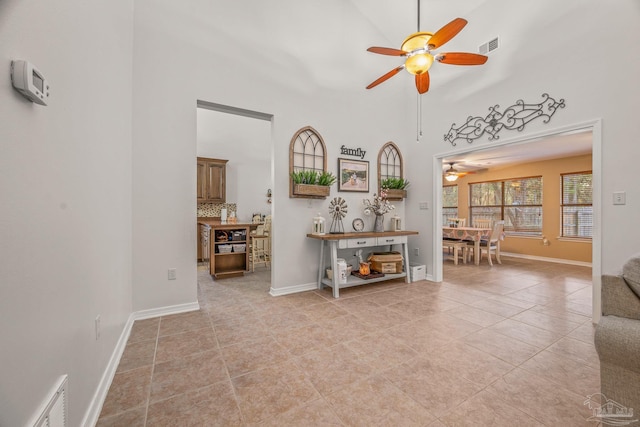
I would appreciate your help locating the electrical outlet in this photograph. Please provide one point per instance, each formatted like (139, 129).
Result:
(416, 251)
(97, 327)
(171, 274)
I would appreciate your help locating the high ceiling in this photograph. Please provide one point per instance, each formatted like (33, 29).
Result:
(315, 45)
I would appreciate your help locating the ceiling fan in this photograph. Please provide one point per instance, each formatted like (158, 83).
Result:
(453, 174)
(419, 49)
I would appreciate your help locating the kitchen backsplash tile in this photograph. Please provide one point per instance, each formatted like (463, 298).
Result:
(206, 210)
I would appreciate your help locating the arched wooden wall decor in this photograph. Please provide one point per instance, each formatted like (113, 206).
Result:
(307, 152)
(390, 165)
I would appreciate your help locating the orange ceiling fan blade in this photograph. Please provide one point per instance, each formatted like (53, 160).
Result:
(446, 33)
(422, 82)
(386, 76)
(387, 51)
(461, 58)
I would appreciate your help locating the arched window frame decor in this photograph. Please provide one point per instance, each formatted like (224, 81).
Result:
(390, 156)
(307, 152)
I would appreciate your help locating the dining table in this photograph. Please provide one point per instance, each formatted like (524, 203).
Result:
(472, 234)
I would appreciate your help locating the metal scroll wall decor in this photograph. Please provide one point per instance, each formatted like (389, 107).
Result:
(513, 117)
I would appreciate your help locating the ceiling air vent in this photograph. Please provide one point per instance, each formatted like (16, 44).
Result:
(489, 46)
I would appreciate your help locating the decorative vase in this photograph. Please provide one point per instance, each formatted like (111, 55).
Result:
(378, 226)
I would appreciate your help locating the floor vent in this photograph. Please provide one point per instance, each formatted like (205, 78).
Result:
(54, 413)
(489, 46)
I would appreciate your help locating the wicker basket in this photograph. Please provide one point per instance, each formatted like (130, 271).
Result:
(386, 262)
(240, 247)
(225, 249)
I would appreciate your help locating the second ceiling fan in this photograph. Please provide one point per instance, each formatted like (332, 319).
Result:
(453, 174)
(419, 49)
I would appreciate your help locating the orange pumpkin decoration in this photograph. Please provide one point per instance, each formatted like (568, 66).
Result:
(364, 268)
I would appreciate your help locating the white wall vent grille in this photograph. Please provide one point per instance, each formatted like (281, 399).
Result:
(489, 46)
(54, 413)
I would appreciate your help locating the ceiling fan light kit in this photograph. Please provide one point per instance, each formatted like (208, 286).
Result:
(452, 174)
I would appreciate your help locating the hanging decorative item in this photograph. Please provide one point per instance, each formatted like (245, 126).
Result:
(338, 210)
(513, 117)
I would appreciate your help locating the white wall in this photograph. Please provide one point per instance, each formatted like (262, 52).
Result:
(246, 143)
(98, 189)
(172, 40)
(65, 186)
(554, 52)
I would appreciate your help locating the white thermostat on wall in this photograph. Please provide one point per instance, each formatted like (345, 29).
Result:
(29, 81)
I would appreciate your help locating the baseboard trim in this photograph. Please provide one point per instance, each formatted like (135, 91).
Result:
(542, 258)
(95, 406)
(276, 292)
(166, 311)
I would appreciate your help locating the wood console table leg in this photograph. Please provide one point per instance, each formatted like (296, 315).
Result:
(334, 268)
(321, 265)
(405, 251)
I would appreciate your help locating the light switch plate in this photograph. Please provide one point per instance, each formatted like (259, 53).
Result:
(424, 206)
(619, 197)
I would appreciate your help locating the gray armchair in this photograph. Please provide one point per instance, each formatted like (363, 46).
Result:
(617, 337)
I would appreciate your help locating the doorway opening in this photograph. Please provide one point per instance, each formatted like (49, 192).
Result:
(524, 143)
(244, 139)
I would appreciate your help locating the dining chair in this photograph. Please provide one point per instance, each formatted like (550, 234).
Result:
(482, 223)
(460, 222)
(492, 244)
(459, 247)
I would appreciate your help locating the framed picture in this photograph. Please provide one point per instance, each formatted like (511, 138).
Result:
(353, 175)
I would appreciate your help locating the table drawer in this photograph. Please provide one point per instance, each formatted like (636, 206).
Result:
(391, 240)
(357, 243)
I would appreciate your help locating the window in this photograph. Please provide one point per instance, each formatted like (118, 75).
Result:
(577, 205)
(449, 203)
(518, 201)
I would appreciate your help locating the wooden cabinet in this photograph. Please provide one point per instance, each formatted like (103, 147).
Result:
(229, 250)
(212, 177)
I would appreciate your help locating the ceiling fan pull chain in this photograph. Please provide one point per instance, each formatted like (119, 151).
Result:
(419, 119)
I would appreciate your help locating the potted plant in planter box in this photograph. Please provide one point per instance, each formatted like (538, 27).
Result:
(312, 184)
(396, 188)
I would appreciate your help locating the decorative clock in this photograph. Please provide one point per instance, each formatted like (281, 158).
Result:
(358, 224)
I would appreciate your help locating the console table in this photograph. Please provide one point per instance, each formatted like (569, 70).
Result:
(356, 241)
